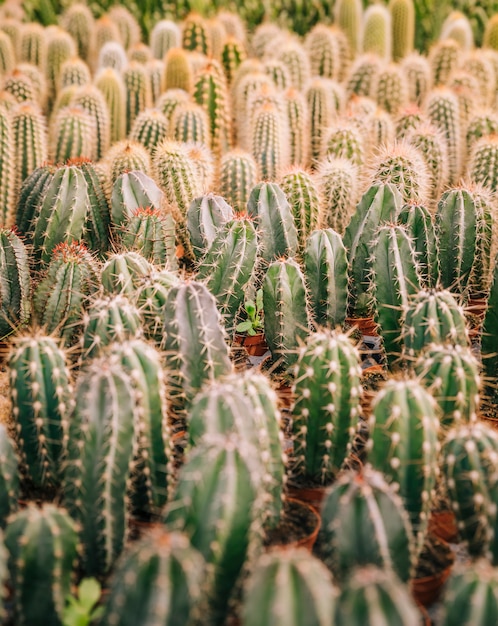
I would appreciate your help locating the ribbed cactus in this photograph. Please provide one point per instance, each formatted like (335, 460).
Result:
(419, 224)
(7, 54)
(297, 123)
(457, 28)
(471, 596)
(131, 191)
(326, 272)
(269, 141)
(158, 581)
(74, 72)
(193, 341)
(381, 128)
(15, 304)
(7, 169)
(275, 224)
(112, 55)
(377, 36)
(73, 135)
(108, 320)
(9, 478)
(246, 84)
(123, 272)
(390, 89)
(195, 34)
(482, 123)
(444, 58)
(287, 587)
(338, 186)
(433, 317)
(106, 31)
(91, 99)
(65, 289)
(60, 48)
(206, 216)
(323, 51)
(177, 71)
(322, 107)
(481, 68)
(444, 113)
(150, 128)
(190, 123)
(238, 176)
(33, 45)
(110, 83)
(364, 523)
(430, 143)
(232, 55)
(127, 156)
(210, 91)
(482, 166)
(362, 74)
(29, 139)
(20, 87)
(491, 33)
(42, 551)
(42, 402)
(286, 320)
(374, 594)
(293, 54)
(216, 504)
(325, 413)
(302, 194)
(404, 446)
(379, 204)
(151, 233)
(348, 15)
(470, 454)
(140, 52)
(451, 375)
(79, 23)
(164, 35)
(100, 453)
(151, 298)
(418, 77)
(346, 141)
(138, 92)
(128, 27)
(403, 27)
(395, 277)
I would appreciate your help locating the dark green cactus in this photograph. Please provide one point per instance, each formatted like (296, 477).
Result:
(150, 127)
(206, 215)
(9, 477)
(111, 84)
(73, 135)
(238, 176)
(15, 303)
(302, 194)
(122, 273)
(338, 185)
(151, 233)
(131, 191)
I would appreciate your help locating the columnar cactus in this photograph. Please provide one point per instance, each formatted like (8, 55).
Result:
(158, 581)
(42, 551)
(321, 109)
(395, 276)
(131, 191)
(238, 176)
(293, 54)
(302, 194)
(381, 128)
(364, 523)
(470, 455)
(451, 375)
(33, 45)
(73, 135)
(338, 184)
(269, 141)
(323, 51)
(7, 54)
(297, 122)
(285, 585)
(138, 92)
(420, 227)
(327, 406)
(79, 22)
(326, 272)
(471, 596)
(206, 215)
(112, 55)
(430, 143)
(164, 35)
(377, 37)
(348, 15)
(433, 317)
(63, 293)
(480, 124)
(29, 139)
(74, 72)
(190, 124)
(123, 272)
(403, 27)
(210, 91)
(42, 401)
(127, 156)
(404, 446)
(15, 305)
(195, 34)
(418, 77)
(100, 452)
(444, 113)
(390, 88)
(482, 167)
(91, 99)
(232, 55)
(150, 128)
(60, 48)
(111, 84)
(346, 141)
(151, 233)
(444, 58)
(150, 299)
(177, 71)
(128, 27)
(9, 477)
(362, 74)
(20, 87)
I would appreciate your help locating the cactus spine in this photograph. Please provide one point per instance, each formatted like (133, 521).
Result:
(111, 84)
(238, 176)
(420, 227)
(206, 216)
(303, 197)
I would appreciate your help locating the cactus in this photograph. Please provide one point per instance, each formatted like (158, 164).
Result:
(380, 203)
(112, 55)
(246, 85)
(420, 227)
(362, 74)
(177, 71)
(366, 507)
(140, 53)
(444, 58)
(73, 72)
(326, 271)
(7, 54)
(293, 55)
(127, 156)
(151, 233)
(478, 66)
(451, 375)
(279, 74)
(381, 128)
(195, 34)
(297, 122)
(123, 272)
(345, 141)
(216, 505)
(325, 413)
(338, 186)
(303, 197)
(155, 70)
(91, 99)
(138, 92)
(489, 339)
(395, 277)
(73, 135)
(390, 89)
(274, 221)
(403, 27)
(490, 33)
(150, 298)
(9, 477)
(35, 539)
(194, 342)
(433, 317)
(33, 46)
(322, 107)
(482, 168)
(431, 145)
(190, 124)
(108, 320)
(286, 320)
(480, 124)
(285, 585)
(131, 191)
(228, 266)
(269, 141)
(15, 304)
(62, 294)
(41, 394)
(232, 55)
(158, 581)
(348, 15)
(458, 28)
(377, 38)
(30, 140)
(237, 178)
(323, 52)
(418, 77)
(372, 594)
(128, 27)
(206, 215)
(78, 21)
(100, 452)
(466, 88)
(7, 169)
(202, 160)
(150, 128)
(404, 446)
(19, 86)
(471, 596)
(164, 35)
(470, 454)
(106, 31)
(60, 48)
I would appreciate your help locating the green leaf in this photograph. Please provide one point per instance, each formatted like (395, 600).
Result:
(244, 327)
(250, 308)
(89, 592)
(259, 300)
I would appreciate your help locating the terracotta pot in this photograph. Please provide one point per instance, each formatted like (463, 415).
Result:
(255, 345)
(428, 589)
(309, 495)
(443, 525)
(366, 325)
(309, 540)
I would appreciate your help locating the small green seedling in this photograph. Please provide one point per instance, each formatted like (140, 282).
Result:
(254, 312)
(83, 610)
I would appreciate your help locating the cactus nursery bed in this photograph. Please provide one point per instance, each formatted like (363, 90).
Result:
(176, 184)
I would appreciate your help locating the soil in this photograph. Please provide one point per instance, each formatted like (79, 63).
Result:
(297, 522)
(435, 557)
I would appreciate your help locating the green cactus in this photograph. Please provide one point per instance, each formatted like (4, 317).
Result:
(348, 16)
(443, 110)
(60, 48)
(286, 587)
(131, 191)
(377, 31)
(91, 99)
(190, 124)
(380, 203)
(7, 169)
(177, 71)
(30, 193)
(79, 22)
(390, 88)
(433, 317)
(466, 88)
(108, 320)
(372, 594)
(151, 233)
(7, 54)
(127, 156)
(112, 55)
(150, 299)
(164, 35)
(216, 504)
(158, 581)
(480, 124)
(42, 550)
(417, 71)
(491, 33)
(404, 446)
(155, 70)
(206, 215)
(278, 72)
(403, 27)
(303, 197)
(395, 277)
(269, 141)
(431, 144)
(471, 596)
(33, 46)
(19, 86)
(489, 339)
(338, 187)
(74, 72)
(195, 34)
(380, 128)
(366, 507)
(482, 168)
(138, 92)
(42, 402)
(326, 272)
(106, 31)
(323, 103)
(100, 452)
(15, 303)
(123, 272)
(294, 56)
(444, 58)
(62, 294)
(323, 52)
(286, 320)
(29, 138)
(238, 176)
(73, 135)
(9, 478)
(140, 52)
(128, 27)
(362, 74)
(275, 225)
(297, 122)
(150, 128)
(469, 454)
(232, 55)
(246, 84)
